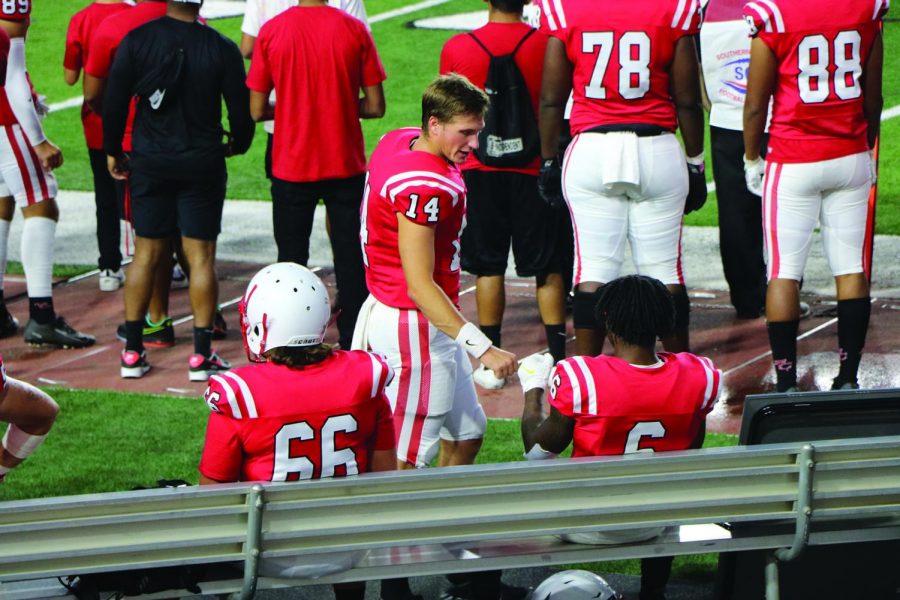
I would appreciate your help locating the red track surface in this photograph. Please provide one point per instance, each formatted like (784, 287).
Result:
(737, 347)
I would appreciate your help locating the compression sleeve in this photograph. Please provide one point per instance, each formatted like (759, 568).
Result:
(18, 90)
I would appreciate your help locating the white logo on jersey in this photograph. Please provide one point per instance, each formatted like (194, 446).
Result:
(157, 98)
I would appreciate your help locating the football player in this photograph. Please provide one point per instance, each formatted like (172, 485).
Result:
(823, 69)
(30, 414)
(303, 410)
(27, 159)
(637, 400)
(632, 68)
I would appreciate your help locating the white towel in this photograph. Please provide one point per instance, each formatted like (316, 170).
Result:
(361, 331)
(619, 158)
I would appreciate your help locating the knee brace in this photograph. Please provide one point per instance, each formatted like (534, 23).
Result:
(583, 306)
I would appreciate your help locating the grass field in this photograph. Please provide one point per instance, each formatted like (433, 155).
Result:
(410, 57)
(106, 441)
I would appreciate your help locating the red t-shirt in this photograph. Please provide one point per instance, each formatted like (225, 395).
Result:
(270, 422)
(317, 58)
(463, 55)
(15, 10)
(620, 408)
(425, 189)
(817, 113)
(79, 38)
(621, 52)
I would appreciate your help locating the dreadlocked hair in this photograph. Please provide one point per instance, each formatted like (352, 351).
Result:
(298, 357)
(636, 308)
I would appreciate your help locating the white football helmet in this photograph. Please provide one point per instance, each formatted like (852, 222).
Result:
(574, 585)
(285, 305)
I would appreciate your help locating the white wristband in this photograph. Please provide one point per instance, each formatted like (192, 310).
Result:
(473, 340)
(696, 160)
(21, 444)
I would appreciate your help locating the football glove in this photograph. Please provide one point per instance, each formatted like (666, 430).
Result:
(754, 171)
(534, 371)
(550, 183)
(696, 197)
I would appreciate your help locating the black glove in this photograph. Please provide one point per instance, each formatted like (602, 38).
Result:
(696, 197)
(550, 183)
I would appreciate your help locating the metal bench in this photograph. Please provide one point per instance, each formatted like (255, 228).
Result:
(469, 518)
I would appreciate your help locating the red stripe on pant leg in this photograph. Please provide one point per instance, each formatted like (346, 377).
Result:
(772, 200)
(405, 374)
(576, 276)
(679, 266)
(23, 168)
(415, 438)
(38, 169)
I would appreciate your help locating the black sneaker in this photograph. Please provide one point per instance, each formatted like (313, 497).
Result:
(155, 336)
(220, 327)
(56, 333)
(8, 323)
(837, 384)
(469, 591)
(201, 367)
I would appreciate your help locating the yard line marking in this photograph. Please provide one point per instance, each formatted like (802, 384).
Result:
(398, 12)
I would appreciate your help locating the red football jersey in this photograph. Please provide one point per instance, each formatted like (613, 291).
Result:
(461, 54)
(817, 113)
(79, 36)
(15, 10)
(317, 58)
(621, 52)
(7, 117)
(425, 189)
(621, 408)
(270, 422)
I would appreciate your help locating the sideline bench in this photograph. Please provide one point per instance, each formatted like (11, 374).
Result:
(468, 518)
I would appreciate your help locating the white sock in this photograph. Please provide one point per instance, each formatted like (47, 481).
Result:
(4, 240)
(38, 238)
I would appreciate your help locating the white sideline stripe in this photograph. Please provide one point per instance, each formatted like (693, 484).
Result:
(397, 12)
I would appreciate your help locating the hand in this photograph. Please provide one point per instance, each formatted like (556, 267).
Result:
(550, 183)
(754, 171)
(873, 167)
(501, 362)
(118, 166)
(696, 197)
(534, 372)
(50, 156)
(228, 144)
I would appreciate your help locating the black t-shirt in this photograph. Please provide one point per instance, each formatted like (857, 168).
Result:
(181, 72)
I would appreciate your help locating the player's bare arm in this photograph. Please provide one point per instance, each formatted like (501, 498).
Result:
(686, 95)
(372, 105)
(260, 109)
(71, 76)
(556, 86)
(553, 434)
(384, 460)
(760, 85)
(247, 43)
(416, 246)
(30, 413)
(15, 29)
(204, 480)
(93, 92)
(873, 100)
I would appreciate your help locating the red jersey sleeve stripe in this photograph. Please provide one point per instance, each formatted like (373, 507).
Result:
(419, 175)
(589, 384)
(246, 394)
(692, 19)
(881, 8)
(712, 383)
(576, 386)
(776, 14)
(679, 12)
(381, 375)
(229, 396)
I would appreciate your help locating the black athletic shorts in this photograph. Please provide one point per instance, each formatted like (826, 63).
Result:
(503, 206)
(162, 207)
